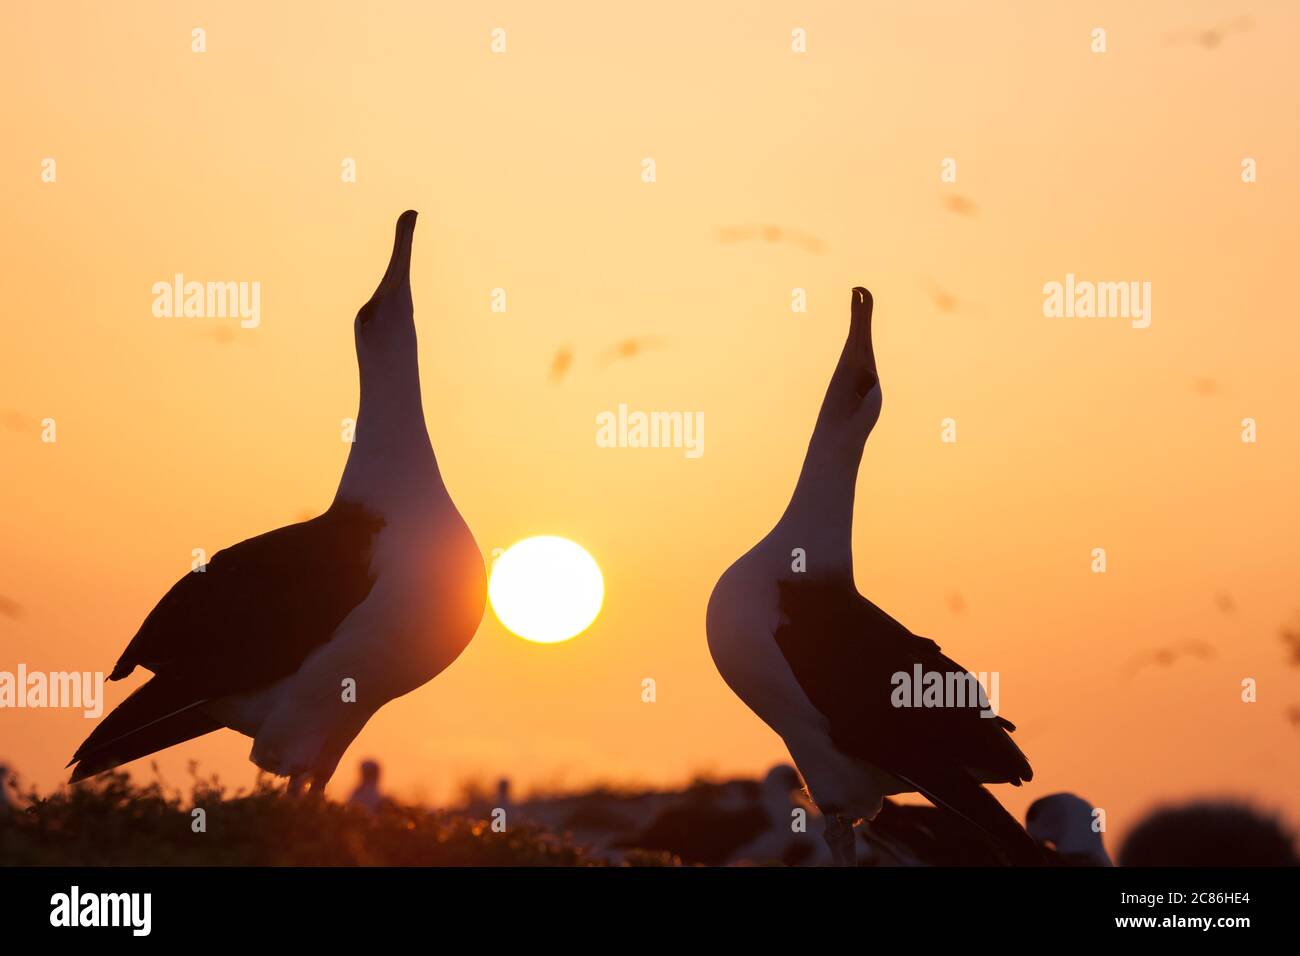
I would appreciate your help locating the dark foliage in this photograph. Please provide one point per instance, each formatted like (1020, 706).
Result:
(113, 822)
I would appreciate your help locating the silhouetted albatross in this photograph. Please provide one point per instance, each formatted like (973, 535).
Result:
(1069, 824)
(817, 661)
(296, 637)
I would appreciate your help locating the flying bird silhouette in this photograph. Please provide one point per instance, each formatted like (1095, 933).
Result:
(1291, 638)
(295, 638)
(959, 204)
(1211, 38)
(13, 420)
(560, 364)
(943, 300)
(222, 335)
(949, 303)
(818, 662)
(773, 234)
(1170, 654)
(631, 348)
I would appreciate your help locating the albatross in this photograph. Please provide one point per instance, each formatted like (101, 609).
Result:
(297, 636)
(819, 663)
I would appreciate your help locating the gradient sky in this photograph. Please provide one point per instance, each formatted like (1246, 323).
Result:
(1072, 433)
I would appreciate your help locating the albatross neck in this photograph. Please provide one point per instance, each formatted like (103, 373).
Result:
(391, 455)
(819, 517)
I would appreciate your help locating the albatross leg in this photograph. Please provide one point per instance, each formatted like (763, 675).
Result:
(297, 785)
(840, 838)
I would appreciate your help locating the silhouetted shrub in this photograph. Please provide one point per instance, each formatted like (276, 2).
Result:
(1208, 834)
(112, 822)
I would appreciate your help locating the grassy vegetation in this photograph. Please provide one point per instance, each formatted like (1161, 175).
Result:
(114, 822)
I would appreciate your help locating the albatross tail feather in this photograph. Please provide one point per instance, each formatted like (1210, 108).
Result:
(957, 792)
(149, 720)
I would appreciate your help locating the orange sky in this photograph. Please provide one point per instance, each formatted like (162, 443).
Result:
(1072, 433)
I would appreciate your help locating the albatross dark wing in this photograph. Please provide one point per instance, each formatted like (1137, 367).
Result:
(844, 652)
(249, 619)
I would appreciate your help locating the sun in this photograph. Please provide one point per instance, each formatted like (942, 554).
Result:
(546, 589)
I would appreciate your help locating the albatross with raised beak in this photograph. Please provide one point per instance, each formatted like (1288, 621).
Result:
(297, 636)
(819, 663)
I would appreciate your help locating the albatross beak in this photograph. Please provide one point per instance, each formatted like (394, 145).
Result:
(395, 286)
(859, 348)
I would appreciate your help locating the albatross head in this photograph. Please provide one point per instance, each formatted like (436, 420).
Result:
(1067, 823)
(385, 325)
(391, 446)
(853, 399)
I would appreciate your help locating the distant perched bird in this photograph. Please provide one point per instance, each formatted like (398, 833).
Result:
(778, 841)
(702, 829)
(1169, 654)
(1069, 825)
(296, 637)
(1207, 834)
(504, 802)
(960, 205)
(1212, 37)
(773, 234)
(367, 795)
(817, 661)
(560, 364)
(631, 348)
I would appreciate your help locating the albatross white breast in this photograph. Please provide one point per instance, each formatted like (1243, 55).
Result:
(384, 590)
(794, 639)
